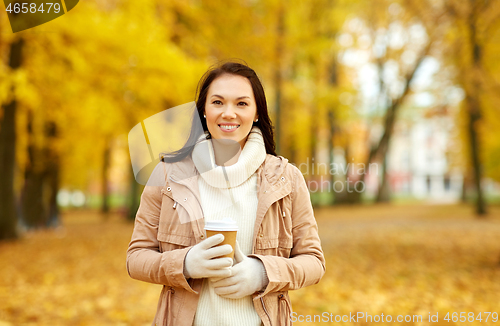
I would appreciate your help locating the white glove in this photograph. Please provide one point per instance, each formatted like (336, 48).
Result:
(200, 261)
(248, 276)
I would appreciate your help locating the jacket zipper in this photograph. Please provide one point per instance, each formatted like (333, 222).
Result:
(265, 310)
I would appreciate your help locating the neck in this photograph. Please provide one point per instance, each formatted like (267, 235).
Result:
(226, 151)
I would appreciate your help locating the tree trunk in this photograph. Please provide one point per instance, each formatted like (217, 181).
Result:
(476, 162)
(474, 115)
(52, 178)
(135, 195)
(293, 150)
(347, 195)
(331, 152)
(105, 177)
(313, 144)
(383, 192)
(39, 194)
(53, 182)
(278, 74)
(333, 81)
(33, 208)
(8, 215)
(465, 184)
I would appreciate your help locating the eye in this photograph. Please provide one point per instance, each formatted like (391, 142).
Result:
(216, 102)
(243, 103)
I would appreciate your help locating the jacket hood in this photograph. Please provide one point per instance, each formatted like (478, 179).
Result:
(274, 167)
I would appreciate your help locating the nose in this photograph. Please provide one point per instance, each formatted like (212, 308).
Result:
(229, 112)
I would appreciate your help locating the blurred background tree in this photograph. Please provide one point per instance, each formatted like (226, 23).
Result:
(473, 37)
(8, 212)
(396, 43)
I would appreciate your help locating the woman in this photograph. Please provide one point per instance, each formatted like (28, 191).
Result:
(278, 248)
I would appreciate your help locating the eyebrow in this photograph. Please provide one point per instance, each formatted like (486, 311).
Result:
(239, 98)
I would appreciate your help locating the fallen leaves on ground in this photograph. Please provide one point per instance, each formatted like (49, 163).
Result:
(74, 275)
(395, 260)
(405, 260)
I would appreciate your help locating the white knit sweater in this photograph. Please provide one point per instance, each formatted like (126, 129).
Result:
(217, 203)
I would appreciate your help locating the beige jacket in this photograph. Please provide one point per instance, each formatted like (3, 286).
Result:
(170, 221)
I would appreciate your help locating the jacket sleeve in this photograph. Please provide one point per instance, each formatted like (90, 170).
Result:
(306, 265)
(145, 262)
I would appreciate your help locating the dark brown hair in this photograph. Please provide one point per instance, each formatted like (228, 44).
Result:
(233, 68)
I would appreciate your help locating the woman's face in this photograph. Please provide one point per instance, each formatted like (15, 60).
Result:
(230, 108)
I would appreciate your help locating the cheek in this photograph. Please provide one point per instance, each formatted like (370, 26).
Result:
(211, 118)
(211, 125)
(250, 117)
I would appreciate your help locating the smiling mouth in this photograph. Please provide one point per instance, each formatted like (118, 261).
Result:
(228, 127)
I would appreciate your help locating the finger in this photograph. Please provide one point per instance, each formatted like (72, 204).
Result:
(235, 295)
(219, 263)
(216, 279)
(238, 254)
(218, 273)
(225, 282)
(237, 270)
(212, 241)
(226, 290)
(218, 251)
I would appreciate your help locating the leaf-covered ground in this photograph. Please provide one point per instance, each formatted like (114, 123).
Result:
(391, 260)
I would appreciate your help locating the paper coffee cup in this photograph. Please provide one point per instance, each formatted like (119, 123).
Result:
(226, 227)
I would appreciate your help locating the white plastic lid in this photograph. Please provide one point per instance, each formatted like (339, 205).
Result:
(222, 225)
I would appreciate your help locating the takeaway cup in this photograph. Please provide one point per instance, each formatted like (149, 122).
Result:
(226, 227)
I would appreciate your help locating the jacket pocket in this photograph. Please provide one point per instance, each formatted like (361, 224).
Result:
(172, 234)
(168, 242)
(274, 247)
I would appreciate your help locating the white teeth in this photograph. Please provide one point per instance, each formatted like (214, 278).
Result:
(228, 127)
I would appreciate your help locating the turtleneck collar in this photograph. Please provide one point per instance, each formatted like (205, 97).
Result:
(251, 157)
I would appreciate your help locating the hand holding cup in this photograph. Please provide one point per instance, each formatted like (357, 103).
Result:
(206, 259)
(248, 276)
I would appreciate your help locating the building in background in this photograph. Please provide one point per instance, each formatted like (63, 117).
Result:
(419, 160)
